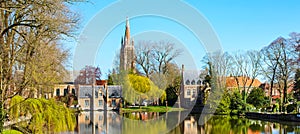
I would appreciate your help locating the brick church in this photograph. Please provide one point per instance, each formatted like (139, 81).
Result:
(127, 54)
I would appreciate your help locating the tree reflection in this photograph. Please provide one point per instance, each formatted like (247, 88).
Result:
(177, 123)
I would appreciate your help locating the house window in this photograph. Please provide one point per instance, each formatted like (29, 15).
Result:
(113, 103)
(73, 91)
(100, 117)
(194, 92)
(86, 103)
(87, 117)
(100, 102)
(188, 92)
(58, 92)
(96, 94)
(65, 92)
(100, 94)
(188, 125)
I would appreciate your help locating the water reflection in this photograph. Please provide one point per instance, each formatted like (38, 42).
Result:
(100, 122)
(128, 123)
(234, 125)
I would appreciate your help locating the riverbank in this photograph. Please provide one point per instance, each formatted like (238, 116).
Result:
(274, 116)
(150, 109)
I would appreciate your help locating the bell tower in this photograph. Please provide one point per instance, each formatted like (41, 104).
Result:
(127, 54)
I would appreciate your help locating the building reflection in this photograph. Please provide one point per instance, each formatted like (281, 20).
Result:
(190, 125)
(99, 122)
(102, 122)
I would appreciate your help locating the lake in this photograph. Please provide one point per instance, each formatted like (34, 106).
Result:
(101, 122)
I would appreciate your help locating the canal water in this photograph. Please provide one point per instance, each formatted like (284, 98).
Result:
(100, 122)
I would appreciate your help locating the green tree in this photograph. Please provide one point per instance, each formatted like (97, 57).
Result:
(237, 104)
(257, 98)
(45, 115)
(296, 87)
(224, 105)
(173, 91)
(138, 88)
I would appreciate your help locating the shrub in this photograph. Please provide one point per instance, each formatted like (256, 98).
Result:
(292, 107)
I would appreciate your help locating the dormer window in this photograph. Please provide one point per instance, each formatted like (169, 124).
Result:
(188, 82)
(193, 82)
(199, 82)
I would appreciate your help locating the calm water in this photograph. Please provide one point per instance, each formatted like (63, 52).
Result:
(176, 123)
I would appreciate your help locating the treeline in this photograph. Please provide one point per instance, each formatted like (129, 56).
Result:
(278, 63)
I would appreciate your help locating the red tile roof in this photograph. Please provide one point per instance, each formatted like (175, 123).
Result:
(232, 82)
(101, 82)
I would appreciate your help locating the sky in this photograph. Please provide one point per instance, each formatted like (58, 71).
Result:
(196, 27)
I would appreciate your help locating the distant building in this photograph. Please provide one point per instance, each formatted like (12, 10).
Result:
(127, 54)
(191, 91)
(276, 90)
(113, 97)
(240, 81)
(64, 89)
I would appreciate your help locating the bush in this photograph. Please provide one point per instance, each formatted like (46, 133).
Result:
(292, 107)
(237, 105)
(257, 98)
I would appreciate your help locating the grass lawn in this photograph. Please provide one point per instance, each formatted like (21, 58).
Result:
(150, 109)
(11, 132)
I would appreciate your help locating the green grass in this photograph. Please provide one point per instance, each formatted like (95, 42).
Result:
(150, 109)
(11, 132)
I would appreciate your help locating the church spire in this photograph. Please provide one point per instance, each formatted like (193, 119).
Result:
(127, 53)
(127, 32)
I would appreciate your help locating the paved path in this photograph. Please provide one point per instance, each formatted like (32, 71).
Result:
(21, 119)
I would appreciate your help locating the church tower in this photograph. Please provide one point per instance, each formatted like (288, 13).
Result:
(127, 54)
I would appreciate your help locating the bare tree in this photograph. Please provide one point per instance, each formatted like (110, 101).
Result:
(295, 42)
(27, 30)
(278, 65)
(245, 69)
(218, 66)
(164, 53)
(270, 65)
(153, 57)
(144, 57)
(87, 75)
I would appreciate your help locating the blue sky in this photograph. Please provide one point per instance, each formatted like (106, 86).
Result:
(239, 25)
